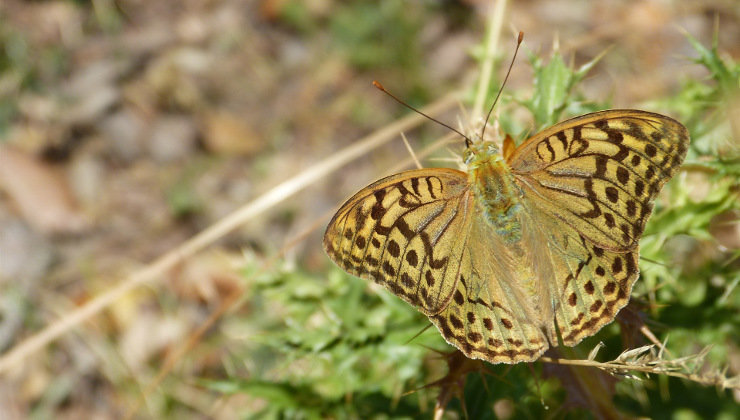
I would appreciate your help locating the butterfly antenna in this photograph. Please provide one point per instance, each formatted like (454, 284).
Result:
(518, 43)
(380, 87)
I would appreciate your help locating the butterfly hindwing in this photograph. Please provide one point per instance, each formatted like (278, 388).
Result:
(488, 317)
(590, 284)
(594, 290)
(405, 232)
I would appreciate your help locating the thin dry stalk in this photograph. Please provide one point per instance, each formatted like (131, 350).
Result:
(411, 151)
(495, 24)
(438, 144)
(156, 269)
(645, 360)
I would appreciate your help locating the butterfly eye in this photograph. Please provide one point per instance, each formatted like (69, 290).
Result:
(469, 156)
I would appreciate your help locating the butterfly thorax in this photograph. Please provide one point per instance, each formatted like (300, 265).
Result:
(497, 194)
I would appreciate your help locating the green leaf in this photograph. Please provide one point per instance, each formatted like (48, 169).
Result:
(553, 86)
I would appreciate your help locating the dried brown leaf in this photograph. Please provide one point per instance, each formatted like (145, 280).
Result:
(41, 195)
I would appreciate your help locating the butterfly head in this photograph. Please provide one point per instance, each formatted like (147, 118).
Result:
(480, 153)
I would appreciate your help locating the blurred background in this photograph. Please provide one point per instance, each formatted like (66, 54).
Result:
(127, 127)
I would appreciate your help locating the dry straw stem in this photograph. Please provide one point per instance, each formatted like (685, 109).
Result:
(157, 268)
(644, 359)
(495, 24)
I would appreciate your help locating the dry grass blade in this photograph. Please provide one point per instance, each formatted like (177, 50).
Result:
(411, 151)
(197, 243)
(633, 356)
(436, 145)
(595, 350)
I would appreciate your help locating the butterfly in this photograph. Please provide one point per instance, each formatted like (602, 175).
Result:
(529, 243)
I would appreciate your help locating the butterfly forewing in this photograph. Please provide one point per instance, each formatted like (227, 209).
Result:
(600, 172)
(405, 232)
